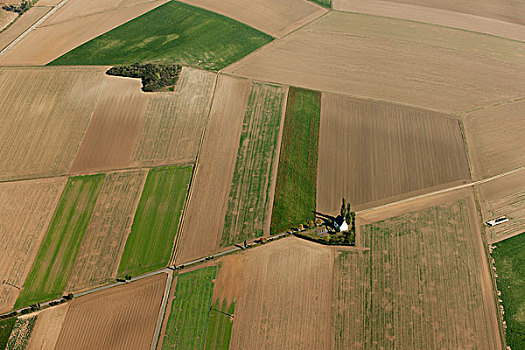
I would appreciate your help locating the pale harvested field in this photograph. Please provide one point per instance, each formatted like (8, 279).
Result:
(495, 138)
(44, 113)
(174, 121)
(504, 196)
(47, 328)
(26, 209)
(103, 243)
(123, 317)
(433, 16)
(114, 127)
(208, 197)
(72, 25)
(365, 56)
(273, 17)
(390, 152)
(6, 17)
(22, 24)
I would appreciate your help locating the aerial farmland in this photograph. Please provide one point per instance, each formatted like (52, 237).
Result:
(262, 174)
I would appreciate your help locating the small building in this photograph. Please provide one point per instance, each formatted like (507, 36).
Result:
(340, 224)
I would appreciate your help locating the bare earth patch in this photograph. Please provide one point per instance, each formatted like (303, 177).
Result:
(48, 325)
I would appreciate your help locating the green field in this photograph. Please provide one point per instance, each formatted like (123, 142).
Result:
(249, 201)
(324, 3)
(21, 333)
(190, 310)
(296, 188)
(220, 326)
(6, 326)
(171, 33)
(52, 266)
(510, 264)
(156, 221)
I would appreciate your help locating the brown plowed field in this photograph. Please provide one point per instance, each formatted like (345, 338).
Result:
(103, 243)
(6, 17)
(504, 196)
(375, 152)
(47, 328)
(208, 197)
(26, 208)
(174, 121)
(72, 25)
(44, 113)
(123, 317)
(114, 127)
(495, 138)
(369, 56)
(273, 17)
(22, 24)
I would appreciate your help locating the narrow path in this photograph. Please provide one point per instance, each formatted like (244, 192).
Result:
(162, 311)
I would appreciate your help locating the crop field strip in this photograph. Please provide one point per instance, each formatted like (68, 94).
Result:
(156, 221)
(391, 152)
(296, 186)
(47, 328)
(220, 326)
(99, 254)
(123, 317)
(173, 32)
(21, 333)
(54, 261)
(26, 208)
(6, 326)
(249, 202)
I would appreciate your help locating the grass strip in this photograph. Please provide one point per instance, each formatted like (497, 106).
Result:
(54, 261)
(156, 221)
(296, 188)
(6, 326)
(220, 326)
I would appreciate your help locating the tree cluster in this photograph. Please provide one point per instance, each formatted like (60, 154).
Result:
(155, 77)
(349, 216)
(24, 6)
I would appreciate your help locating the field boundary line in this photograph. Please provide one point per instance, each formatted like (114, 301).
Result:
(162, 311)
(501, 239)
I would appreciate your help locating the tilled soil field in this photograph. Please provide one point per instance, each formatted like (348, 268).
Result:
(48, 325)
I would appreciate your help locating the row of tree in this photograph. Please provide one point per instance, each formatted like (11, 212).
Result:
(24, 6)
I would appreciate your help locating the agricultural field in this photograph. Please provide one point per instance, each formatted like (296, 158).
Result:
(452, 72)
(214, 171)
(173, 32)
(503, 197)
(81, 20)
(392, 152)
(295, 191)
(275, 18)
(509, 260)
(494, 137)
(6, 326)
(26, 208)
(99, 254)
(6, 18)
(54, 261)
(22, 23)
(251, 193)
(123, 317)
(47, 328)
(42, 130)
(220, 326)
(21, 333)
(156, 221)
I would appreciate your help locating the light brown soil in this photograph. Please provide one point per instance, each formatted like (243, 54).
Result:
(103, 243)
(375, 151)
(117, 318)
(363, 55)
(114, 127)
(433, 16)
(175, 121)
(26, 208)
(504, 196)
(47, 328)
(6, 17)
(273, 17)
(495, 138)
(208, 197)
(44, 113)
(22, 24)
(66, 29)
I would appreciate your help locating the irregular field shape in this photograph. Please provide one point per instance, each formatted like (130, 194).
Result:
(47, 328)
(48, 42)
(174, 32)
(276, 18)
(21, 25)
(375, 152)
(385, 68)
(26, 208)
(6, 17)
(214, 171)
(123, 317)
(190, 310)
(495, 138)
(156, 221)
(21, 333)
(101, 249)
(251, 192)
(174, 121)
(54, 261)
(503, 197)
(44, 113)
